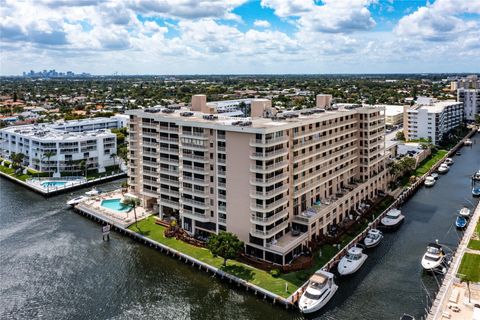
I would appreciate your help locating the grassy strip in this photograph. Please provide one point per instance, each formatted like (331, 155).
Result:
(424, 166)
(469, 267)
(474, 245)
(148, 228)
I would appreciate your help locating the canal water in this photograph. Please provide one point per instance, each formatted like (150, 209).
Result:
(54, 265)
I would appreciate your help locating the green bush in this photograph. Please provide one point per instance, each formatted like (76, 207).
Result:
(275, 273)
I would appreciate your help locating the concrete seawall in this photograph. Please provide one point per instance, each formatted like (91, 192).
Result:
(249, 287)
(60, 190)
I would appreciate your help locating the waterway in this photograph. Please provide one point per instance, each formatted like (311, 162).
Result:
(54, 264)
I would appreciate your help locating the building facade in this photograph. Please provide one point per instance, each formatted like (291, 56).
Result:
(471, 102)
(277, 183)
(432, 120)
(92, 124)
(48, 149)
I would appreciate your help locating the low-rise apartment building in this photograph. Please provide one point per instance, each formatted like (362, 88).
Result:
(276, 180)
(431, 120)
(49, 149)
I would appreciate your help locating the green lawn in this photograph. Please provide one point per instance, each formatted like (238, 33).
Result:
(470, 267)
(11, 171)
(148, 228)
(424, 166)
(474, 245)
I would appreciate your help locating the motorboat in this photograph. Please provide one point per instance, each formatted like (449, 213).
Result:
(373, 238)
(461, 222)
(458, 153)
(393, 218)
(433, 258)
(476, 191)
(93, 192)
(465, 212)
(407, 317)
(476, 176)
(449, 161)
(443, 168)
(467, 142)
(429, 181)
(320, 289)
(76, 200)
(352, 261)
(434, 175)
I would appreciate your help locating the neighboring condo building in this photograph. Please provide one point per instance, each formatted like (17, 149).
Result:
(431, 119)
(393, 114)
(66, 149)
(101, 123)
(471, 102)
(276, 180)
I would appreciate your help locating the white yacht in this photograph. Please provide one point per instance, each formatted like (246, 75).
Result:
(352, 261)
(467, 142)
(433, 258)
(443, 168)
(449, 161)
(393, 218)
(434, 175)
(76, 200)
(373, 238)
(320, 290)
(465, 212)
(93, 192)
(429, 181)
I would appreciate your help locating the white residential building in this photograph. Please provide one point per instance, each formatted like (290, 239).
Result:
(66, 149)
(431, 120)
(471, 102)
(114, 122)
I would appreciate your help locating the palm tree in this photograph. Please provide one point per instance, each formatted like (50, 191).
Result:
(83, 167)
(114, 157)
(17, 159)
(133, 202)
(48, 155)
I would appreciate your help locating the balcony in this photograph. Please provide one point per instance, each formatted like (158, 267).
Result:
(268, 181)
(269, 220)
(195, 134)
(198, 204)
(287, 242)
(195, 157)
(194, 215)
(170, 203)
(149, 163)
(269, 194)
(268, 233)
(196, 169)
(254, 206)
(269, 168)
(195, 180)
(168, 129)
(268, 142)
(268, 154)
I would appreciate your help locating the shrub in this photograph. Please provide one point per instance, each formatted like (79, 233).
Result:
(275, 273)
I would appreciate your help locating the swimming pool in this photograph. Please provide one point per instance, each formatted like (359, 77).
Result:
(116, 205)
(49, 184)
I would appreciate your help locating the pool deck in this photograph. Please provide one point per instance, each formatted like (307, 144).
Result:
(53, 191)
(122, 219)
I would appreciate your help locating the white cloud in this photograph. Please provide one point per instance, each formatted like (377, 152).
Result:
(261, 23)
(439, 21)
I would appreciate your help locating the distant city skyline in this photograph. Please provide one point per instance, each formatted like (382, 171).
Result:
(240, 36)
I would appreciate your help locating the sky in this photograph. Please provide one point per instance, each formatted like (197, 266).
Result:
(240, 36)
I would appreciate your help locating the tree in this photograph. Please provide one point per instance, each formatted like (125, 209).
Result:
(113, 156)
(17, 159)
(133, 202)
(48, 155)
(466, 278)
(408, 164)
(225, 245)
(400, 136)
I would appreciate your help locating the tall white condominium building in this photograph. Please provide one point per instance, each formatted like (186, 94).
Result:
(471, 102)
(66, 149)
(432, 120)
(275, 180)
